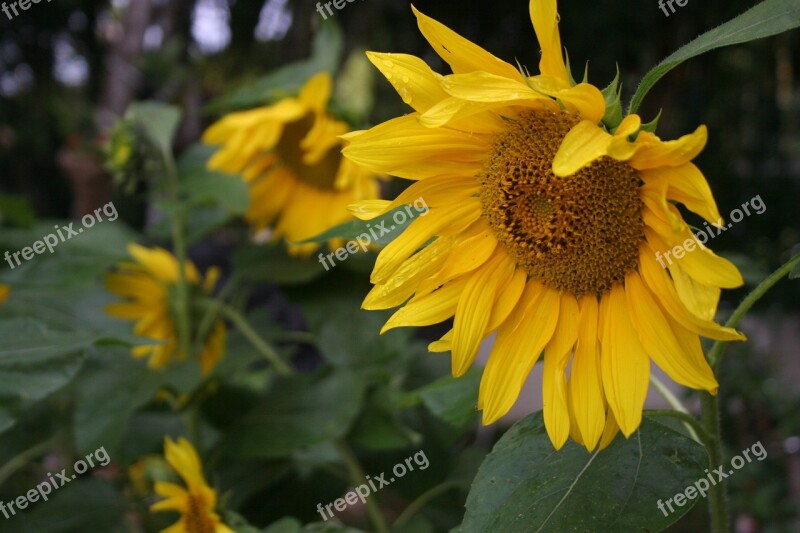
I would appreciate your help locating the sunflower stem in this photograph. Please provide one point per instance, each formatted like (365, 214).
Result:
(357, 477)
(179, 244)
(717, 495)
(255, 339)
(423, 499)
(715, 353)
(676, 404)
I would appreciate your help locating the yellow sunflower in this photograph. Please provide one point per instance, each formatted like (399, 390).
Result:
(290, 155)
(197, 502)
(543, 228)
(148, 285)
(5, 290)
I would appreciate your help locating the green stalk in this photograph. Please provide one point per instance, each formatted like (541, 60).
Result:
(179, 244)
(357, 477)
(709, 405)
(267, 351)
(423, 499)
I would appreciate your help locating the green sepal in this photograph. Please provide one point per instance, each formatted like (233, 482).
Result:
(612, 94)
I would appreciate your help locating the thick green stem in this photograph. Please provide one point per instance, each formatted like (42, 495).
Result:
(357, 477)
(255, 339)
(717, 495)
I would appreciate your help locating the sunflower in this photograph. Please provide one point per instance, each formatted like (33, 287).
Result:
(196, 503)
(148, 285)
(543, 228)
(290, 155)
(5, 290)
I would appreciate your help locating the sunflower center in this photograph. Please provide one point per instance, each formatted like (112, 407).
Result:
(196, 518)
(579, 234)
(321, 173)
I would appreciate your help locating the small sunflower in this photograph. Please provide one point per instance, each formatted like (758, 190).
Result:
(196, 503)
(148, 285)
(543, 228)
(5, 290)
(290, 155)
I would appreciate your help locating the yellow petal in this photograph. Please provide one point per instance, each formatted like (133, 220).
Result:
(652, 152)
(583, 144)
(461, 54)
(687, 185)
(659, 340)
(554, 378)
(487, 87)
(412, 78)
(474, 310)
(585, 383)
(519, 342)
(584, 99)
(624, 363)
(430, 309)
(544, 16)
(609, 432)
(316, 92)
(660, 284)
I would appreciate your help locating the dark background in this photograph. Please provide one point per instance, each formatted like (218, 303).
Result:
(67, 68)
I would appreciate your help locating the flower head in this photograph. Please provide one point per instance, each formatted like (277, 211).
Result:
(544, 225)
(197, 501)
(290, 154)
(148, 286)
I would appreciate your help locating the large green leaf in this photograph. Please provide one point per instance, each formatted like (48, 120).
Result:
(298, 412)
(770, 17)
(287, 80)
(525, 485)
(206, 187)
(35, 360)
(83, 505)
(109, 391)
(271, 264)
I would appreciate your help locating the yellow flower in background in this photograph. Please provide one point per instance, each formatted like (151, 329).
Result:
(147, 285)
(290, 155)
(5, 290)
(543, 228)
(196, 502)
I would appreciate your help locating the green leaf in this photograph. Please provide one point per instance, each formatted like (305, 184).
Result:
(380, 230)
(612, 93)
(300, 411)
(325, 55)
(160, 121)
(35, 360)
(108, 393)
(525, 485)
(454, 400)
(90, 504)
(768, 18)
